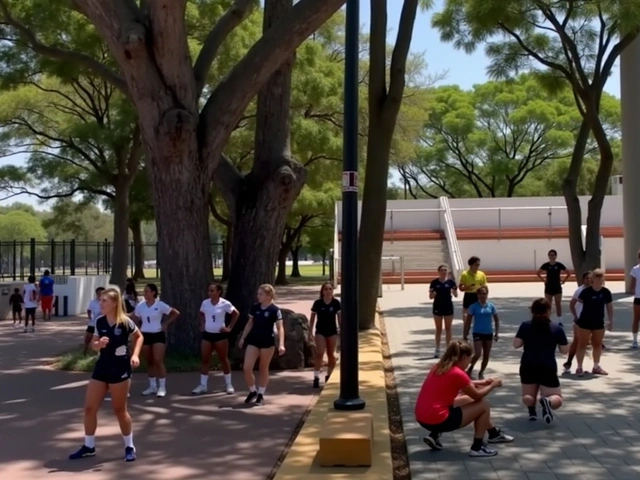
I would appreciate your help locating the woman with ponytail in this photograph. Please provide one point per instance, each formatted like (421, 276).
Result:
(538, 368)
(449, 401)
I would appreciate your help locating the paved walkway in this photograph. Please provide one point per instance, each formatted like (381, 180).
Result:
(596, 434)
(179, 437)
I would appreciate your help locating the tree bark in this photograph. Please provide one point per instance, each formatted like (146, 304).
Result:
(261, 200)
(384, 106)
(295, 260)
(226, 254)
(120, 253)
(138, 249)
(281, 276)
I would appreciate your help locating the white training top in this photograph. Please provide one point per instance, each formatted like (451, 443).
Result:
(94, 308)
(30, 295)
(214, 315)
(576, 296)
(151, 316)
(635, 273)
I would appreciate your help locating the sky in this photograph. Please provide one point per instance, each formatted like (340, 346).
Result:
(460, 68)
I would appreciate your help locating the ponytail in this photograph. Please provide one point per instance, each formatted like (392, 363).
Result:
(455, 352)
(541, 315)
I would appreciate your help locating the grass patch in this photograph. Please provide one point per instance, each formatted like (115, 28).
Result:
(75, 361)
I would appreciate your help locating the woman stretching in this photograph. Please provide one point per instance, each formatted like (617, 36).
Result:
(112, 372)
(327, 310)
(575, 308)
(538, 369)
(449, 401)
(258, 336)
(215, 336)
(149, 314)
(595, 300)
(481, 314)
(440, 292)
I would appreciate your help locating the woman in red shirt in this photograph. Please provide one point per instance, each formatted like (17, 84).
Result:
(449, 401)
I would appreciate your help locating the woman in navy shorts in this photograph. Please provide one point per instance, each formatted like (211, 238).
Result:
(326, 310)
(440, 291)
(112, 372)
(259, 337)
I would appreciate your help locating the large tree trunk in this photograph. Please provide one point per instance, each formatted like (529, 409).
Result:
(295, 260)
(265, 195)
(226, 254)
(120, 253)
(281, 276)
(384, 106)
(138, 249)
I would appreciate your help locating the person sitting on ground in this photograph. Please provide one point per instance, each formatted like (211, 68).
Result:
(449, 401)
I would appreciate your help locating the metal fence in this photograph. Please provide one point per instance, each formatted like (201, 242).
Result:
(19, 259)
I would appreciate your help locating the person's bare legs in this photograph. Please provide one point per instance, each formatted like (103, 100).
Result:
(486, 352)
(596, 342)
(158, 350)
(321, 346)
(584, 336)
(332, 343)
(119, 392)
(558, 301)
(635, 325)
(572, 350)
(477, 351)
(553, 395)
(437, 320)
(266, 354)
(147, 353)
(448, 320)
(87, 341)
(529, 395)
(222, 351)
(94, 397)
(251, 356)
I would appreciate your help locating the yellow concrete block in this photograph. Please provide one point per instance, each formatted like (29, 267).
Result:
(346, 439)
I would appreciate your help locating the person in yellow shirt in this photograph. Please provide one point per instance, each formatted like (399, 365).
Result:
(470, 280)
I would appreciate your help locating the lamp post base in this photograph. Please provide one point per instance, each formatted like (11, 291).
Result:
(349, 405)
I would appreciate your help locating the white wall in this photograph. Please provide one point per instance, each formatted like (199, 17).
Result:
(483, 213)
(530, 254)
(80, 290)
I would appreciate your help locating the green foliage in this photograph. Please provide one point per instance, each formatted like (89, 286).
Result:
(21, 226)
(80, 221)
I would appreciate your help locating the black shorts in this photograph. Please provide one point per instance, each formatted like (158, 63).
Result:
(110, 370)
(260, 343)
(482, 337)
(539, 375)
(327, 330)
(552, 290)
(214, 337)
(153, 338)
(90, 329)
(17, 310)
(443, 309)
(451, 423)
(469, 299)
(30, 312)
(636, 301)
(590, 324)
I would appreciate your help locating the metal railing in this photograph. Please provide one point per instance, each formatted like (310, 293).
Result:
(457, 264)
(335, 271)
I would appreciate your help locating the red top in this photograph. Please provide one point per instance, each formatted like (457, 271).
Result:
(438, 393)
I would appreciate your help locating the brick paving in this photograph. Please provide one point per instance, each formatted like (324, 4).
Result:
(180, 437)
(596, 434)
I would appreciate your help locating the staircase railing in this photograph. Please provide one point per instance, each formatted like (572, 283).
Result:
(457, 265)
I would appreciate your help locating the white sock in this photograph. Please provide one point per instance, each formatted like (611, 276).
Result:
(204, 380)
(128, 440)
(162, 382)
(227, 379)
(152, 382)
(261, 390)
(635, 337)
(252, 388)
(316, 374)
(596, 365)
(90, 441)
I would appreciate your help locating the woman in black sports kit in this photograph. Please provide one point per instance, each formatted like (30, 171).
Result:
(112, 372)
(440, 291)
(259, 338)
(327, 310)
(552, 281)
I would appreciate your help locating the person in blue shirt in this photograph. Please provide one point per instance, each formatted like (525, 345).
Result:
(440, 291)
(482, 314)
(46, 295)
(540, 338)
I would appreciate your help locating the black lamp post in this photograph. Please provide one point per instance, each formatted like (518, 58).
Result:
(349, 396)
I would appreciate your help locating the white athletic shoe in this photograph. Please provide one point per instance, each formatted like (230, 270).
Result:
(229, 389)
(150, 391)
(634, 345)
(199, 390)
(162, 392)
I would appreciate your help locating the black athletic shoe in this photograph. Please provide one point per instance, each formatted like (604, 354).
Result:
(533, 416)
(129, 454)
(83, 453)
(316, 382)
(250, 397)
(433, 441)
(260, 399)
(547, 414)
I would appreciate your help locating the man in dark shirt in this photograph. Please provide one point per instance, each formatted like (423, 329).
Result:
(553, 283)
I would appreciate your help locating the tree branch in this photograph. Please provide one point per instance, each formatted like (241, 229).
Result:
(78, 58)
(378, 54)
(397, 72)
(227, 179)
(216, 214)
(234, 16)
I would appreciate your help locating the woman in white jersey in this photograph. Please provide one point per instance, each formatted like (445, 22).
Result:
(93, 312)
(30, 295)
(575, 307)
(148, 315)
(215, 336)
